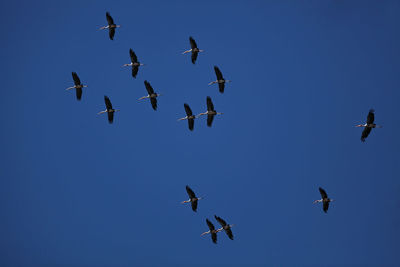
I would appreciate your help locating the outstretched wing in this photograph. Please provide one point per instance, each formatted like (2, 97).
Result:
(77, 81)
(193, 44)
(110, 117)
(210, 225)
(78, 93)
(210, 105)
(190, 192)
(229, 233)
(194, 56)
(148, 88)
(210, 119)
(220, 220)
(111, 33)
(109, 19)
(221, 87)
(371, 116)
(194, 205)
(188, 110)
(218, 73)
(191, 124)
(153, 101)
(325, 206)
(214, 237)
(133, 56)
(135, 70)
(323, 193)
(365, 133)
(108, 102)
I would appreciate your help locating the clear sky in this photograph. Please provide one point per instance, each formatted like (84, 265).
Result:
(77, 191)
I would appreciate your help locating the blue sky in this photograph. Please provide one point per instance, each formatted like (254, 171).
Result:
(77, 191)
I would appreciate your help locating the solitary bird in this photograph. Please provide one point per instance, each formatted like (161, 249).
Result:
(225, 226)
(153, 96)
(369, 125)
(192, 198)
(210, 112)
(111, 26)
(194, 49)
(109, 109)
(212, 231)
(325, 200)
(220, 80)
(135, 64)
(78, 86)
(189, 116)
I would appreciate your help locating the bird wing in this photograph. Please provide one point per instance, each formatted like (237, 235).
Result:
(325, 206)
(210, 105)
(110, 117)
(229, 233)
(193, 44)
(220, 220)
(371, 116)
(214, 237)
(194, 56)
(148, 87)
(365, 133)
(218, 73)
(108, 103)
(78, 93)
(194, 205)
(77, 81)
(210, 119)
(191, 124)
(111, 33)
(221, 87)
(323, 193)
(190, 192)
(135, 70)
(210, 225)
(188, 110)
(153, 101)
(133, 56)
(109, 19)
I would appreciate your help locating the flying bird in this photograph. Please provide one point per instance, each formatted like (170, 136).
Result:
(192, 198)
(212, 231)
(135, 64)
(225, 226)
(189, 116)
(210, 112)
(325, 200)
(153, 96)
(220, 80)
(78, 86)
(111, 26)
(109, 110)
(369, 125)
(194, 49)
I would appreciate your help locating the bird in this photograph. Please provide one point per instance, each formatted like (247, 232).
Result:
(369, 125)
(220, 80)
(109, 109)
(192, 198)
(210, 112)
(134, 63)
(325, 200)
(194, 49)
(212, 231)
(225, 226)
(153, 96)
(78, 86)
(111, 26)
(189, 116)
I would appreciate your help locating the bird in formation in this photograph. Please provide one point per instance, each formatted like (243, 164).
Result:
(210, 112)
(192, 198)
(78, 86)
(153, 96)
(325, 200)
(189, 116)
(194, 49)
(135, 64)
(226, 227)
(212, 231)
(369, 125)
(109, 110)
(220, 80)
(111, 26)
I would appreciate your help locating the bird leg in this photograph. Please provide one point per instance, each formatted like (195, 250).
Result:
(144, 97)
(104, 27)
(317, 201)
(181, 119)
(204, 113)
(213, 82)
(205, 233)
(69, 88)
(101, 112)
(186, 201)
(187, 51)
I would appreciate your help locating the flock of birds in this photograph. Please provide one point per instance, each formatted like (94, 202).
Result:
(190, 117)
